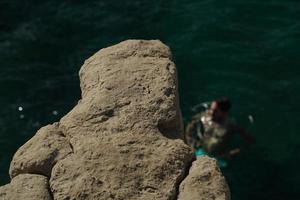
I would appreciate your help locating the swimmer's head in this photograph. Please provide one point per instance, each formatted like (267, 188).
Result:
(220, 108)
(223, 104)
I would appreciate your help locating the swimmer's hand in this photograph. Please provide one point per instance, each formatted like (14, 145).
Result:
(230, 153)
(234, 152)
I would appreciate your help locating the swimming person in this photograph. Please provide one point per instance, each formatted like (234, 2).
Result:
(211, 133)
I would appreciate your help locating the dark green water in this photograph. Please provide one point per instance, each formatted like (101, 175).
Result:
(244, 49)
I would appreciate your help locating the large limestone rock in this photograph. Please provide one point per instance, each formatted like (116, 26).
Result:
(204, 182)
(123, 138)
(125, 131)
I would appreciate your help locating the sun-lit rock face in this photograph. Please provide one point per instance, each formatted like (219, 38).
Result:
(123, 140)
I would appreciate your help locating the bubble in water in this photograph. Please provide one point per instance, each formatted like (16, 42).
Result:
(22, 116)
(55, 112)
(36, 124)
(20, 108)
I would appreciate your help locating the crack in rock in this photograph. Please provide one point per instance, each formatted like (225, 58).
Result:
(183, 177)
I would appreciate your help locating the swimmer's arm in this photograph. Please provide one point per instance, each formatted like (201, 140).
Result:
(243, 133)
(230, 153)
(201, 107)
(249, 139)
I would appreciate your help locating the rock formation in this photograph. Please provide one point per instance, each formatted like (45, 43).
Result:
(204, 182)
(121, 141)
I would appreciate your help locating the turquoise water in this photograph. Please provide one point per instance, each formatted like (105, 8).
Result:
(244, 49)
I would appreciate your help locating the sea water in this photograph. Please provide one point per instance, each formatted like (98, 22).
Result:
(247, 50)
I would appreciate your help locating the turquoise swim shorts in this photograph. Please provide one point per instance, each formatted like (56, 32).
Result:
(221, 162)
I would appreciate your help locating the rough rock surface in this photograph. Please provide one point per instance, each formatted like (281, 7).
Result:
(125, 130)
(204, 182)
(25, 187)
(41, 152)
(123, 138)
